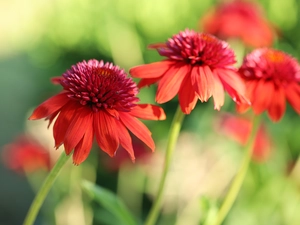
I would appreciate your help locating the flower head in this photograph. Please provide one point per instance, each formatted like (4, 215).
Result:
(98, 100)
(197, 66)
(272, 77)
(26, 155)
(239, 19)
(239, 130)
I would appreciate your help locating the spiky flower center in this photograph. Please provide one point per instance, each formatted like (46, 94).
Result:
(271, 65)
(100, 86)
(198, 49)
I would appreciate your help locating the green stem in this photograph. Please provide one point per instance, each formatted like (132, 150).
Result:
(41, 195)
(240, 176)
(173, 136)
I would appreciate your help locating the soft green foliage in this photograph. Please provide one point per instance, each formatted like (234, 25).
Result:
(110, 202)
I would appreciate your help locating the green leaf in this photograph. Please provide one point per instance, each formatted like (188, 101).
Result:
(110, 202)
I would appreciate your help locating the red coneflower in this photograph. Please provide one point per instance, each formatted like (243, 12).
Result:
(25, 155)
(198, 66)
(239, 19)
(98, 100)
(272, 77)
(239, 129)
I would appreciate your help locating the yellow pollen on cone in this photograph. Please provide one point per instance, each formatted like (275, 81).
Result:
(104, 72)
(275, 56)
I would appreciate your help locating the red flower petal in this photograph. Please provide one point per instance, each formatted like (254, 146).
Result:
(106, 132)
(277, 106)
(157, 45)
(218, 92)
(231, 79)
(187, 97)
(83, 148)
(250, 87)
(170, 83)
(52, 117)
(56, 80)
(79, 125)
(201, 78)
(234, 85)
(50, 106)
(62, 123)
(125, 139)
(148, 112)
(138, 129)
(265, 91)
(147, 82)
(113, 112)
(152, 70)
(292, 93)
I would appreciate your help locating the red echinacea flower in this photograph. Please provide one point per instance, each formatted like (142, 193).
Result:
(197, 66)
(239, 19)
(26, 155)
(239, 130)
(272, 77)
(98, 100)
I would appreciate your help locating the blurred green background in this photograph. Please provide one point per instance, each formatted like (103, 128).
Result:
(42, 39)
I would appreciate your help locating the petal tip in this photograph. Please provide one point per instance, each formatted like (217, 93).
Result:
(32, 117)
(132, 159)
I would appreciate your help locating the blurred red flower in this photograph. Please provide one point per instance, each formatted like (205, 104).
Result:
(98, 100)
(121, 158)
(25, 154)
(272, 77)
(198, 66)
(239, 130)
(239, 19)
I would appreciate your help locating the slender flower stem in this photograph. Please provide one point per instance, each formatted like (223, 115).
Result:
(240, 176)
(41, 195)
(173, 136)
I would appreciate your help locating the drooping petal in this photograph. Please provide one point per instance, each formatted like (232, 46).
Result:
(148, 112)
(250, 87)
(209, 79)
(218, 92)
(106, 132)
(52, 117)
(170, 83)
(152, 70)
(84, 146)
(236, 97)
(138, 129)
(79, 124)
(187, 96)
(125, 139)
(233, 80)
(277, 106)
(201, 78)
(50, 106)
(264, 93)
(62, 123)
(234, 85)
(292, 93)
(147, 82)
(241, 108)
